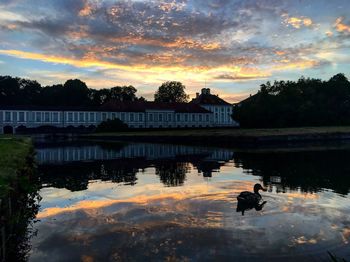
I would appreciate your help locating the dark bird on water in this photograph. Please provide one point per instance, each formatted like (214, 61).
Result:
(248, 200)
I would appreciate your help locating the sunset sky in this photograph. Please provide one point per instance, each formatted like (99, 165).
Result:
(232, 46)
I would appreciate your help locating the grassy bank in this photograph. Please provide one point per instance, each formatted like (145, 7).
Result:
(13, 158)
(18, 197)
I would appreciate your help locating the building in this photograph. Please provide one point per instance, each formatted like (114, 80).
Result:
(222, 111)
(135, 114)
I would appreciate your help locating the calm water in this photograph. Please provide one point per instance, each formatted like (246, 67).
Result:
(139, 202)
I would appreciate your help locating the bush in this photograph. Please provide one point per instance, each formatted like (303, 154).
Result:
(111, 126)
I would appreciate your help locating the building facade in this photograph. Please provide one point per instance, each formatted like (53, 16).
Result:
(222, 111)
(134, 114)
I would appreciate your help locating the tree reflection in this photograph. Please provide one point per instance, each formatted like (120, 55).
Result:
(76, 176)
(172, 173)
(309, 171)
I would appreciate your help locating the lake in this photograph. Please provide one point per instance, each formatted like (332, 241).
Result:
(141, 202)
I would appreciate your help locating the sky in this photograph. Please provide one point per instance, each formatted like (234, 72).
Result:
(229, 46)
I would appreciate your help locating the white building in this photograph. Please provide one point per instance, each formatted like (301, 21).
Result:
(222, 111)
(134, 114)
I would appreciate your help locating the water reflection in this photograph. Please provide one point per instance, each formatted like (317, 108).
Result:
(310, 171)
(145, 202)
(72, 167)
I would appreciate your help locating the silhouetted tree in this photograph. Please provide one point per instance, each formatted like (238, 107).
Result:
(123, 93)
(76, 90)
(19, 91)
(171, 92)
(52, 95)
(305, 102)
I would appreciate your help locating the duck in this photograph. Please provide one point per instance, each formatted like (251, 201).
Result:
(248, 200)
(249, 197)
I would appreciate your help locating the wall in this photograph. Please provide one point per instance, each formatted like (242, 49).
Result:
(221, 115)
(148, 119)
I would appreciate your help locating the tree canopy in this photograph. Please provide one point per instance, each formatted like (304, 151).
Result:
(171, 91)
(306, 102)
(74, 92)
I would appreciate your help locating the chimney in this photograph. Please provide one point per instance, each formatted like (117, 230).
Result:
(205, 91)
(197, 95)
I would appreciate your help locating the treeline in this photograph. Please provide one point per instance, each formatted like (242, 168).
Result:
(306, 102)
(18, 91)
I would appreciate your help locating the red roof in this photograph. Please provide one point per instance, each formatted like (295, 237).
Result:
(116, 106)
(208, 99)
(140, 106)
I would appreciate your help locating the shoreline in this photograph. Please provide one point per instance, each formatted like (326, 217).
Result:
(230, 137)
(18, 195)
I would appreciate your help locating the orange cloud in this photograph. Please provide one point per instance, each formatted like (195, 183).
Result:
(200, 73)
(280, 53)
(288, 65)
(329, 33)
(297, 22)
(179, 42)
(340, 26)
(200, 191)
(87, 9)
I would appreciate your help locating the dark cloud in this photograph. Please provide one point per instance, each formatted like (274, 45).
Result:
(237, 77)
(200, 33)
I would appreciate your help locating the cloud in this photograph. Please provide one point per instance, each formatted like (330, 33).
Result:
(340, 26)
(297, 22)
(147, 42)
(237, 77)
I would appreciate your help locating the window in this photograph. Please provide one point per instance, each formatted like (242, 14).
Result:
(207, 118)
(200, 117)
(160, 117)
(75, 116)
(47, 117)
(92, 117)
(150, 117)
(55, 117)
(14, 116)
(140, 117)
(169, 117)
(123, 117)
(131, 117)
(81, 117)
(114, 116)
(104, 116)
(222, 109)
(186, 117)
(21, 116)
(70, 117)
(7, 116)
(178, 118)
(38, 117)
(193, 117)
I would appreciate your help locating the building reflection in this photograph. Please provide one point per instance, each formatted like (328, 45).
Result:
(72, 167)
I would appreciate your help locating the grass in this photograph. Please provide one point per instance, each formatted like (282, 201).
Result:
(13, 154)
(231, 132)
